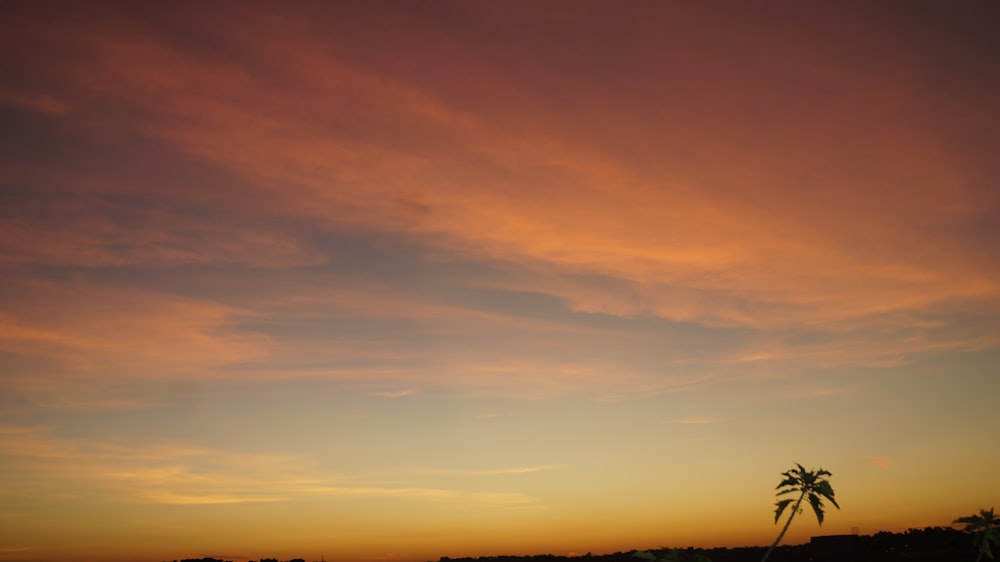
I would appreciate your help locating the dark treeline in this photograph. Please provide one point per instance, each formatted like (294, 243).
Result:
(210, 559)
(931, 544)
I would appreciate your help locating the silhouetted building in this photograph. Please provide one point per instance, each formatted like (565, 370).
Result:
(834, 548)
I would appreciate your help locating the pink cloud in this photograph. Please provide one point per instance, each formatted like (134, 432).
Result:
(880, 462)
(92, 330)
(725, 218)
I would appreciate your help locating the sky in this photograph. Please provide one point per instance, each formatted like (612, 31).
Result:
(380, 280)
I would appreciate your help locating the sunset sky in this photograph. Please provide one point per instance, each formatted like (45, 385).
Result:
(400, 280)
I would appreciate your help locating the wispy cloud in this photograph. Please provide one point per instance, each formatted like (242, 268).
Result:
(812, 392)
(43, 103)
(641, 233)
(769, 254)
(186, 474)
(882, 462)
(695, 420)
(364, 259)
(99, 329)
(436, 494)
(394, 393)
(487, 472)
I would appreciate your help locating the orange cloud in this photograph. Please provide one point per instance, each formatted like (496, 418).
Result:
(536, 203)
(186, 474)
(92, 330)
(880, 462)
(640, 214)
(779, 246)
(696, 420)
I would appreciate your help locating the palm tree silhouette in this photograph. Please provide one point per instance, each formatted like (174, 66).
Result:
(811, 484)
(986, 528)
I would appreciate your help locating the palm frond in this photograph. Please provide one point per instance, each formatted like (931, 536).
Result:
(788, 481)
(969, 520)
(780, 507)
(985, 529)
(824, 489)
(817, 505)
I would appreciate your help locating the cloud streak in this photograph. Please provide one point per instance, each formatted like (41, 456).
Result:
(771, 252)
(187, 474)
(349, 263)
(488, 472)
(696, 420)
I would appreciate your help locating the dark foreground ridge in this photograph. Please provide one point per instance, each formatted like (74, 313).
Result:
(931, 544)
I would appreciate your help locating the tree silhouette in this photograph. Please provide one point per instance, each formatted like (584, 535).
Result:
(811, 484)
(985, 527)
(670, 555)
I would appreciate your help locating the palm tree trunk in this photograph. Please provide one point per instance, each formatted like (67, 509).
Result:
(795, 509)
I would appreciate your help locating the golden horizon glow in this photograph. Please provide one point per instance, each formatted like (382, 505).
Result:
(376, 281)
